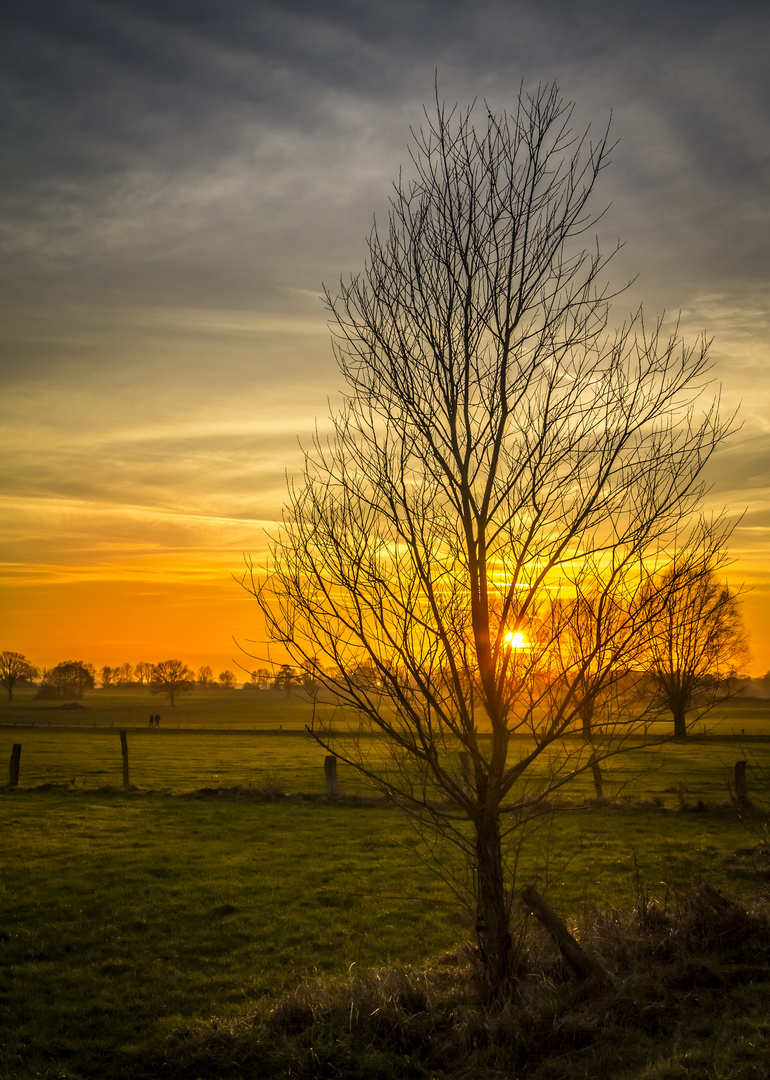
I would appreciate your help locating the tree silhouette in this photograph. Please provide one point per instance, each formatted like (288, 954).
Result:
(143, 673)
(499, 453)
(171, 677)
(285, 679)
(698, 641)
(205, 676)
(70, 678)
(123, 675)
(14, 666)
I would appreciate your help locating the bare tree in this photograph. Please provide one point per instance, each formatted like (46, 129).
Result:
(143, 673)
(14, 667)
(604, 681)
(499, 454)
(171, 677)
(260, 678)
(698, 642)
(227, 678)
(205, 676)
(123, 675)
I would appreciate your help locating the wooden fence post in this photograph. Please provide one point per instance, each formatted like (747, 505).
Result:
(13, 777)
(330, 771)
(124, 748)
(741, 794)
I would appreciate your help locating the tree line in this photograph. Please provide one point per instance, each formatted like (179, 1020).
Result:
(72, 678)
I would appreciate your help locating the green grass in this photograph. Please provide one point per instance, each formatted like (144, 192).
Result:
(126, 916)
(212, 738)
(165, 760)
(277, 750)
(116, 708)
(252, 710)
(129, 916)
(675, 774)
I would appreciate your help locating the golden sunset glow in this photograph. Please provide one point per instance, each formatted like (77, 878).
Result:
(164, 344)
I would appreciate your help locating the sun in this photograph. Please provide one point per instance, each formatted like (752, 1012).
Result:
(516, 641)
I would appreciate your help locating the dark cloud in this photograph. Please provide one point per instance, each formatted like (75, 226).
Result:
(199, 151)
(220, 154)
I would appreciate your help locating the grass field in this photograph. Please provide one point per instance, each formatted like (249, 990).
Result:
(259, 710)
(187, 760)
(217, 708)
(253, 739)
(126, 916)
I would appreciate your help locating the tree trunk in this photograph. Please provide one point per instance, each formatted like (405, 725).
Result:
(492, 923)
(680, 721)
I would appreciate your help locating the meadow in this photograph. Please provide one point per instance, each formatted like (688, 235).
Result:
(226, 738)
(129, 916)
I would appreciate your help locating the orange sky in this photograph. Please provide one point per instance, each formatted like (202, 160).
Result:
(122, 542)
(201, 619)
(173, 196)
(113, 622)
(110, 582)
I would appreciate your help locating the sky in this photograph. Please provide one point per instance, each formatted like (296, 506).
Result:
(178, 180)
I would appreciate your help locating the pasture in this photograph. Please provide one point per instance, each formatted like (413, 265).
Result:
(129, 915)
(258, 738)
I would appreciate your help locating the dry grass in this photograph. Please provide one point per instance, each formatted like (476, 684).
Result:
(690, 997)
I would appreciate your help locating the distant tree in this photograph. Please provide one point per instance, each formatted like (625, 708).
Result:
(260, 678)
(285, 679)
(123, 675)
(107, 675)
(85, 677)
(143, 673)
(596, 639)
(70, 678)
(171, 677)
(227, 678)
(14, 667)
(205, 676)
(698, 642)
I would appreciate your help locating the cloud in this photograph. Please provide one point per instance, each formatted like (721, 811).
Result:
(178, 179)
(195, 153)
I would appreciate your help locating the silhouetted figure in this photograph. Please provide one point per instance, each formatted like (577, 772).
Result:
(152, 720)
(157, 719)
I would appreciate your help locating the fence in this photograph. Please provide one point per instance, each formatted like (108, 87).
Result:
(177, 761)
(292, 762)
